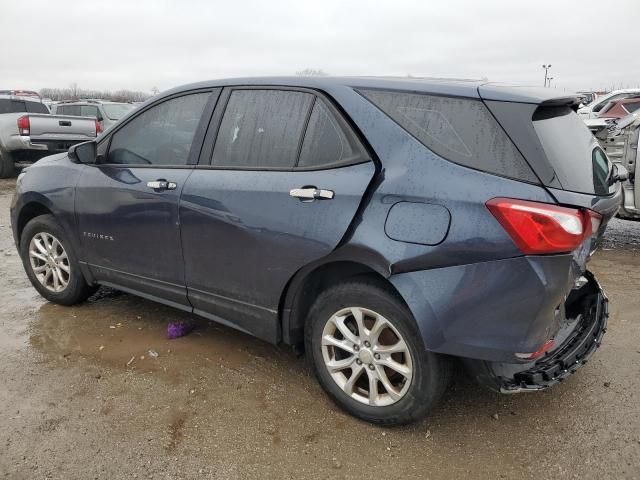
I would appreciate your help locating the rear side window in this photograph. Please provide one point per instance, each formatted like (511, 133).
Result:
(261, 129)
(328, 140)
(461, 130)
(161, 135)
(571, 150)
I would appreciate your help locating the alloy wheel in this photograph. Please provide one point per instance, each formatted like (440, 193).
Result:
(366, 356)
(49, 262)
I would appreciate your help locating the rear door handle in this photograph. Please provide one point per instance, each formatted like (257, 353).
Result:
(162, 185)
(308, 194)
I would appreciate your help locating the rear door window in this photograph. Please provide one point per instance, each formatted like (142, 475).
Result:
(161, 135)
(461, 130)
(261, 129)
(329, 141)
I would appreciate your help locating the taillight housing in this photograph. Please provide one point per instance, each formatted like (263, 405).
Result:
(24, 126)
(541, 228)
(98, 128)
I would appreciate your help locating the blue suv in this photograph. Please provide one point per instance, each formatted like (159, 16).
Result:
(386, 226)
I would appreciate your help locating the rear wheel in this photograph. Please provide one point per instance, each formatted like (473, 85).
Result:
(7, 166)
(51, 263)
(369, 357)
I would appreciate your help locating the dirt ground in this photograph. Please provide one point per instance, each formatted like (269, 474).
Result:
(220, 404)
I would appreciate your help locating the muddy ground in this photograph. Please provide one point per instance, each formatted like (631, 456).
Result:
(220, 404)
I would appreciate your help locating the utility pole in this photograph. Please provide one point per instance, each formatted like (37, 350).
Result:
(546, 73)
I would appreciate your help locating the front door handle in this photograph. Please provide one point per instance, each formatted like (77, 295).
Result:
(162, 185)
(308, 194)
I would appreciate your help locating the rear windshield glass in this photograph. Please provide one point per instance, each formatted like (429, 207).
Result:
(115, 111)
(19, 106)
(461, 130)
(570, 149)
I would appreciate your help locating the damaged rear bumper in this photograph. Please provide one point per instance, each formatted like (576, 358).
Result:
(587, 311)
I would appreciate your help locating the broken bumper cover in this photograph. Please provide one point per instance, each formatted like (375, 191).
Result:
(588, 311)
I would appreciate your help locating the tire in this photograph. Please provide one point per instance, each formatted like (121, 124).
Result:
(7, 166)
(41, 230)
(429, 372)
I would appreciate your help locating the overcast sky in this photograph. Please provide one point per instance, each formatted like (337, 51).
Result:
(141, 44)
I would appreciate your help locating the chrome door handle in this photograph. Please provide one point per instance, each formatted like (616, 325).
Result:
(311, 193)
(162, 185)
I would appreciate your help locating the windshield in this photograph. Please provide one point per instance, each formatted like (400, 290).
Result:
(571, 149)
(115, 111)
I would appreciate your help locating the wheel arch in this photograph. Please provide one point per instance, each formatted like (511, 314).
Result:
(304, 287)
(28, 212)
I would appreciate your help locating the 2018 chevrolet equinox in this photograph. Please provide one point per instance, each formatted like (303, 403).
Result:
(386, 225)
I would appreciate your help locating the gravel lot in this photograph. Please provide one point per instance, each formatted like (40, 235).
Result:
(219, 404)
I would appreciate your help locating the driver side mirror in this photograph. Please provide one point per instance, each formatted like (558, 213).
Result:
(84, 152)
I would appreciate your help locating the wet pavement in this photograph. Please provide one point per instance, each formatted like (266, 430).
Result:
(81, 397)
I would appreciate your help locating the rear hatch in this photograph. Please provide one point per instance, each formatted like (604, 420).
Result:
(558, 146)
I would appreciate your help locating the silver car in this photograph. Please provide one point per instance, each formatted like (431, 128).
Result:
(107, 113)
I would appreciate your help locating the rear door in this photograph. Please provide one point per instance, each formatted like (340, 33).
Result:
(282, 179)
(127, 204)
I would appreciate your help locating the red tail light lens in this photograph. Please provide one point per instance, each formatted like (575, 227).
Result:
(24, 127)
(541, 228)
(98, 128)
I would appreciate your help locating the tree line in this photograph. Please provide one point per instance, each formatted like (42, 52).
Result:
(73, 92)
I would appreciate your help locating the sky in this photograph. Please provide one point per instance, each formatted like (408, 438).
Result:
(142, 44)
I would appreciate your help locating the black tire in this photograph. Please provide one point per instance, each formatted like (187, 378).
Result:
(431, 372)
(7, 165)
(77, 289)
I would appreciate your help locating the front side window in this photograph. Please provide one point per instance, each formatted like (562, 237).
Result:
(261, 129)
(161, 135)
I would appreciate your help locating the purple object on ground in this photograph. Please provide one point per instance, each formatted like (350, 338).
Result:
(178, 329)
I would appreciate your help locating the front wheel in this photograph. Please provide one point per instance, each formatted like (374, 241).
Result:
(50, 262)
(368, 354)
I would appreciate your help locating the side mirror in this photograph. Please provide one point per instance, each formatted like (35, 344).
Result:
(84, 152)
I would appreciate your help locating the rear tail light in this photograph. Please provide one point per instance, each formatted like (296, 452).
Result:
(98, 128)
(548, 345)
(541, 228)
(24, 126)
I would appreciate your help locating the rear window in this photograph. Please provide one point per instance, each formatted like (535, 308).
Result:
(461, 130)
(571, 150)
(36, 107)
(12, 106)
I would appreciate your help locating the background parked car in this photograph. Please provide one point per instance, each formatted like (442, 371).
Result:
(593, 109)
(29, 132)
(107, 113)
(619, 139)
(620, 108)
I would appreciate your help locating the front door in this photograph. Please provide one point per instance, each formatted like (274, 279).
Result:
(127, 204)
(285, 180)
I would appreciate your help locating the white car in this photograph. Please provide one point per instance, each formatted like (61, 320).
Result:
(592, 110)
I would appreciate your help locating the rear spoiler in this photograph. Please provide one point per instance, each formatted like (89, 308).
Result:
(535, 95)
